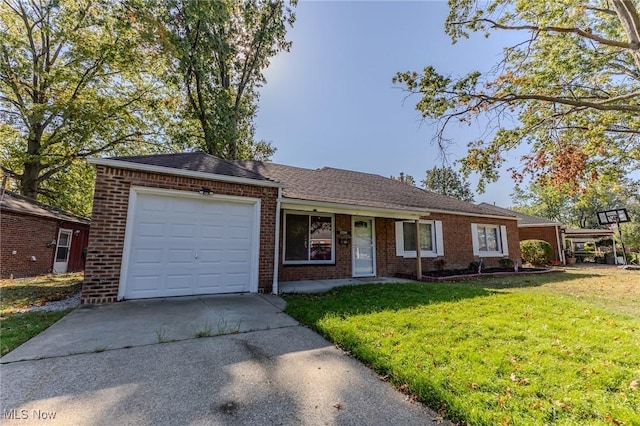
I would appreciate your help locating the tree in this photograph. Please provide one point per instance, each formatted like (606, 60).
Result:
(71, 87)
(218, 50)
(446, 181)
(573, 83)
(579, 209)
(408, 179)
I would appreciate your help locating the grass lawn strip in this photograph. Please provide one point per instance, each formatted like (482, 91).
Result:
(19, 294)
(491, 353)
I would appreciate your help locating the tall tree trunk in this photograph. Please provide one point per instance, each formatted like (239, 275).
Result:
(30, 178)
(627, 12)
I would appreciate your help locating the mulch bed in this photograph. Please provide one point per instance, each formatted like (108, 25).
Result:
(465, 274)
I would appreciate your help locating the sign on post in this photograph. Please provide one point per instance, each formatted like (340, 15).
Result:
(609, 217)
(615, 217)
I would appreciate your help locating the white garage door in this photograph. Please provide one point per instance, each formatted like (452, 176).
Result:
(180, 246)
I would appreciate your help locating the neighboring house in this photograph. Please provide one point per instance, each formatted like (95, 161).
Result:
(38, 239)
(185, 224)
(536, 228)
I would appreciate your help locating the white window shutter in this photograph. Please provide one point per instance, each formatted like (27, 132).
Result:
(439, 240)
(505, 243)
(399, 238)
(474, 239)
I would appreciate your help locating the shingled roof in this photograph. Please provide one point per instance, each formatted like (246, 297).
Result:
(20, 204)
(195, 162)
(359, 189)
(325, 185)
(524, 220)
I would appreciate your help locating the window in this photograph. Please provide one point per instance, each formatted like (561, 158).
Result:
(489, 240)
(431, 244)
(308, 238)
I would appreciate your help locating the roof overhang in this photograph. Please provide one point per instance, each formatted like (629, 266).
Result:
(359, 210)
(538, 225)
(351, 209)
(121, 164)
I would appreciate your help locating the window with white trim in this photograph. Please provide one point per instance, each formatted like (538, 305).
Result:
(431, 244)
(489, 240)
(308, 238)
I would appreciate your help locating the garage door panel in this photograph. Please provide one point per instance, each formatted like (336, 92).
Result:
(180, 256)
(182, 230)
(150, 229)
(186, 246)
(174, 282)
(215, 232)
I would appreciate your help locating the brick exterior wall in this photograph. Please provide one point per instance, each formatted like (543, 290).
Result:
(544, 233)
(106, 238)
(27, 236)
(458, 249)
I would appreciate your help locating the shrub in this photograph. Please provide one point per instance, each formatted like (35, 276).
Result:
(439, 264)
(536, 252)
(506, 263)
(473, 266)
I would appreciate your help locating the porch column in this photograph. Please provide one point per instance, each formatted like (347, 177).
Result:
(418, 254)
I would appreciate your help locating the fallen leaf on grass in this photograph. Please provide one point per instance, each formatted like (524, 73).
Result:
(634, 384)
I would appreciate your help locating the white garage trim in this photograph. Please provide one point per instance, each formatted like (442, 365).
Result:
(136, 191)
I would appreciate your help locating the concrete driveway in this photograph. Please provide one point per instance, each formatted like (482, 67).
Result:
(228, 360)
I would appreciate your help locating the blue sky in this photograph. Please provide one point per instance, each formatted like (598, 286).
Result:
(330, 100)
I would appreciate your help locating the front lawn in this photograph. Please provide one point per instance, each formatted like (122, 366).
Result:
(16, 326)
(549, 349)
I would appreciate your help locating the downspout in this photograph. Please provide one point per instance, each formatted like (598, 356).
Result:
(276, 247)
(560, 251)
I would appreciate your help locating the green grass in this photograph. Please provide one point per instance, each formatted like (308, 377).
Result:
(15, 295)
(549, 349)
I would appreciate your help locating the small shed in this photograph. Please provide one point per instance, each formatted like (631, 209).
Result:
(37, 239)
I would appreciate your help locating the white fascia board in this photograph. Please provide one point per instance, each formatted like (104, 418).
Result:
(121, 164)
(354, 210)
(472, 214)
(538, 225)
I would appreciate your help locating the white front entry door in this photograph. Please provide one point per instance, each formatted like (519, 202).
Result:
(61, 261)
(364, 247)
(185, 245)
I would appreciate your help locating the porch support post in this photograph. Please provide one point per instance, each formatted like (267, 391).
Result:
(418, 254)
(276, 246)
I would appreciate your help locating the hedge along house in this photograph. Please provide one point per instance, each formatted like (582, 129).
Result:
(186, 224)
(537, 228)
(37, 239)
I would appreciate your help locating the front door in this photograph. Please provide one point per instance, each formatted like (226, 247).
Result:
(61, 261)
(364, 247)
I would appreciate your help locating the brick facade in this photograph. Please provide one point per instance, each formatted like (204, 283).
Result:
(458, 249)
(25, 237)
(544, 233)
(110, 206)
(111, 198)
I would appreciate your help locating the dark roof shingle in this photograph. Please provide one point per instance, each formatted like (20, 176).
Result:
(20, 204)
(357, 188)
(524, 219)
(194, 161)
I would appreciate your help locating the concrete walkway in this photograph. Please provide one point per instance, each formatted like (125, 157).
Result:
(96, 328)
(114, 364)
(321, 286)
